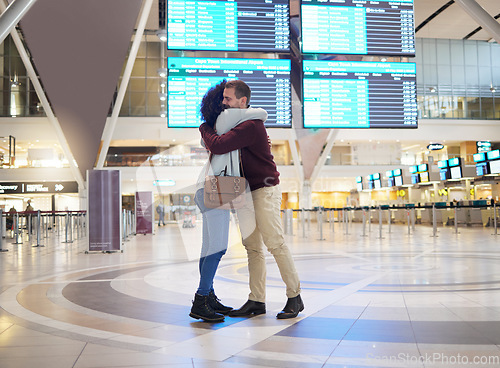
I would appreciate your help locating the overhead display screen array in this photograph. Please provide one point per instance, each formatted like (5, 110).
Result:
(228, 25)
(381, 27)
(357, 94)
(190, 78)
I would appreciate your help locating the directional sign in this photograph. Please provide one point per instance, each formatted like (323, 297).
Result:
(39, 187)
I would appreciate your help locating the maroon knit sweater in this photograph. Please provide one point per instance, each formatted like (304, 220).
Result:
(251, 138)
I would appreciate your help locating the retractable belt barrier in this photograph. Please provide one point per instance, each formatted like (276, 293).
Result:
(34, 226)
(346, 216)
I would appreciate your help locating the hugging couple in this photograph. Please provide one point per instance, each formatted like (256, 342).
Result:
(235, 135)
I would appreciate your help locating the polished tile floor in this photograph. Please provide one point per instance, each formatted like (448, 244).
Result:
(387, 299)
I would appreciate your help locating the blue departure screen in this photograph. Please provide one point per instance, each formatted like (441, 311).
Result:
(190, 78)
(228, 25)
(358, 94)
(363, 27)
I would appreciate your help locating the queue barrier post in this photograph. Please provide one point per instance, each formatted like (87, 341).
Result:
(17, 233)
(59, 225)
(408, 219)
(369, 220)
(46, 225)
(38, 229)
(413, 219)
(320, 223)
(29, 224)
(380, 222)
(346, 221)
(2, 229)
(495, 217)
(68, 229)
(455, 219)
(364, 222)
(289, 219)
(434, 221)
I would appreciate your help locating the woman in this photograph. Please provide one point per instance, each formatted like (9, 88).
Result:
(206, 305)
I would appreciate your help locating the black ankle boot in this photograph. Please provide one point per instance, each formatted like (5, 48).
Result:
(292, 308)
(201, 309)
(216, 305)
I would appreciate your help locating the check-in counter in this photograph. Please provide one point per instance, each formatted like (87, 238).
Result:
(427, 213)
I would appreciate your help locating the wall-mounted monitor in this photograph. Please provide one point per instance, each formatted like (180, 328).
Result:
(413, 169)
(444, 174)
(390, 181)
(381, 27)
(422, 167)
(359, 94)
(377, 184)
(456, 172)
(478, 157)
(228, 25)
(359, 183)
(424, 177)
(493, 155)
(495, 167)
(190, 78)
(442, 164)
(398, 181)
(414, 178)
(482, 168)
(456, 161)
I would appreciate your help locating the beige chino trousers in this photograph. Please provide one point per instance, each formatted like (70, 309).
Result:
(260, 223)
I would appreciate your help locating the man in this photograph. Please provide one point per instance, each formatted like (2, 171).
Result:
(260, 223)
(161, 214)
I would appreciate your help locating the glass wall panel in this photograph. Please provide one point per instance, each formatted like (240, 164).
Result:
(443, 52)
(457, 52)
(458, 74)
(470, 53)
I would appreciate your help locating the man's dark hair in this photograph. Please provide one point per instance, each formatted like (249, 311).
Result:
(241, 89)
(211, 103)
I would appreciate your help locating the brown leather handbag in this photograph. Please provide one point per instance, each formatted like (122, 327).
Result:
(224, 192)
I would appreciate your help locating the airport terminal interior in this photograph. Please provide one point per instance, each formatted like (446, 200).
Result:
(383, 121)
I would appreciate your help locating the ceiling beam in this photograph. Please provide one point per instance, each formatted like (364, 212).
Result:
(12, 15)
(482, 17)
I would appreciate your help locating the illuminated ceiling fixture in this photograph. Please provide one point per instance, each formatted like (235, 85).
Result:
(493, 89)
(162, 35)
(432, 89)
(162, 96)
(383, 59)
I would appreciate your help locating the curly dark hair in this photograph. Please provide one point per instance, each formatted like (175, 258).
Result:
(211, 103)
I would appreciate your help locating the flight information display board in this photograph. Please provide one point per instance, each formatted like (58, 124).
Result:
(382, 27)
(190, 78)
(228, 25)
(358, 94)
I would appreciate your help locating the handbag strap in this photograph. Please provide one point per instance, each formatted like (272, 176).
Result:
(241, 164)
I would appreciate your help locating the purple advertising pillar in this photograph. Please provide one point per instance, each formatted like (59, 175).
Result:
(104, 210)
(144, 212)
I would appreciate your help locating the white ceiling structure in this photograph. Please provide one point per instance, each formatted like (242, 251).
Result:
(452, 22)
